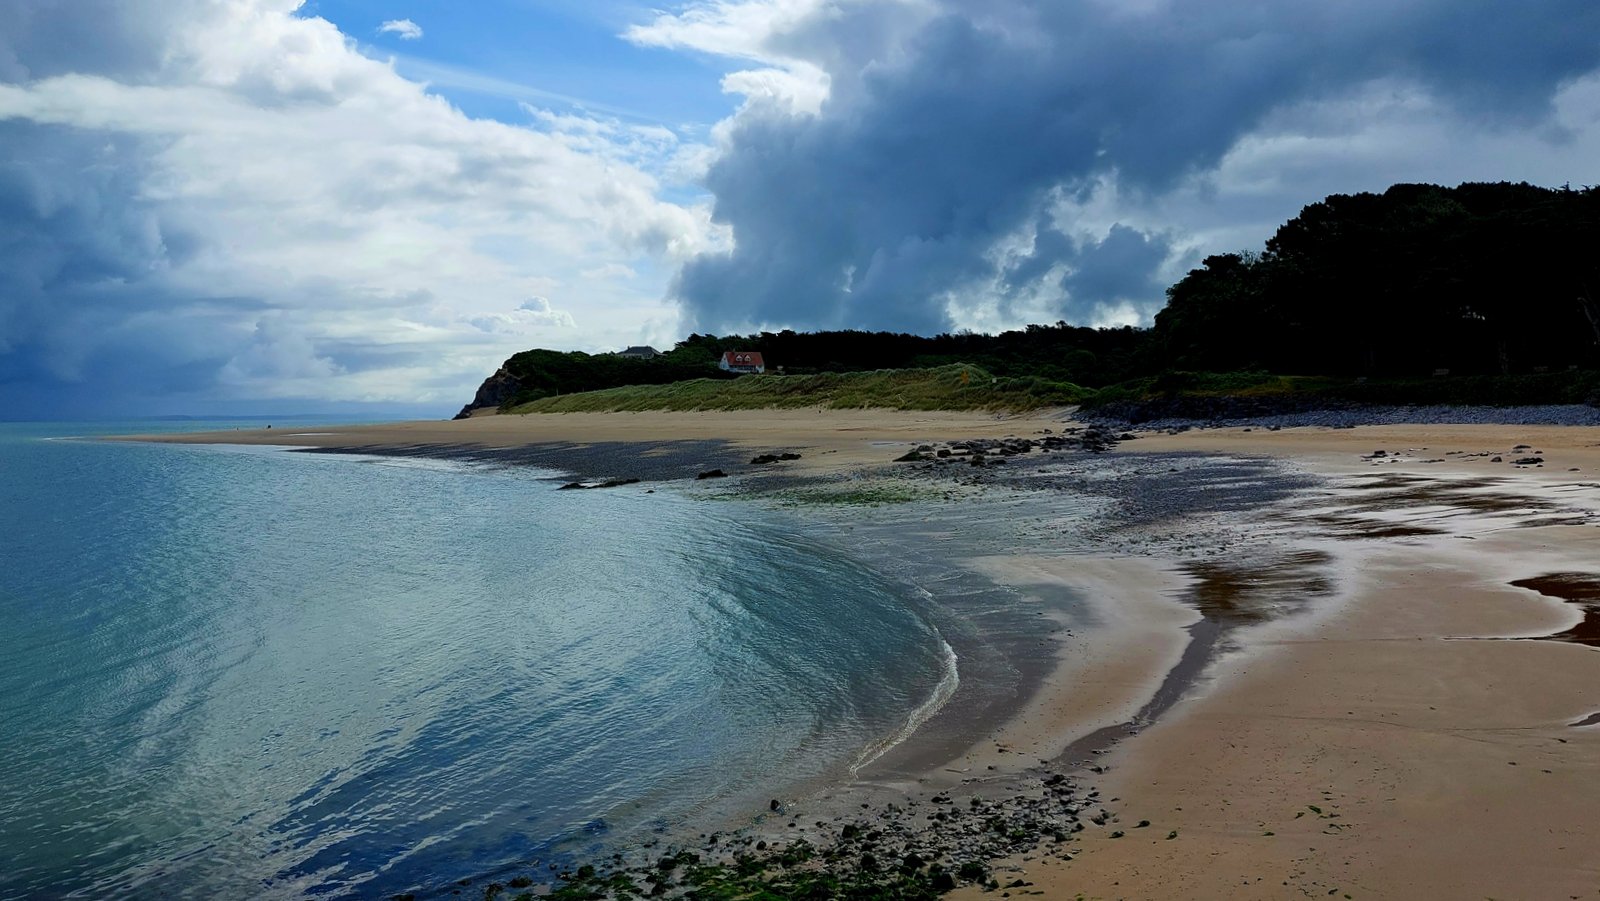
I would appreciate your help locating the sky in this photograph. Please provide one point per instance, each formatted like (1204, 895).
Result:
(364, 206)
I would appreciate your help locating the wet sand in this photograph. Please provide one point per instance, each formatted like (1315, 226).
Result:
(1306, 691)
(1391, 744)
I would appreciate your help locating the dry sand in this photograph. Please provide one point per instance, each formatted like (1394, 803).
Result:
(1392, 746)
(847, 437)
(1389, 744)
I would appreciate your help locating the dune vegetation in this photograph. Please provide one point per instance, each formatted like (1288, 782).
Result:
(951, 387)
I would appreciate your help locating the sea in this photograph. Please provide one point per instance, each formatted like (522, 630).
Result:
(245, 672)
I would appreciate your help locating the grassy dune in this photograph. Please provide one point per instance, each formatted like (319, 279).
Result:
(1474, 390)
(954, 387)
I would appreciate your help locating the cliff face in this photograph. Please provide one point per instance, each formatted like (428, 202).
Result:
(495, 390)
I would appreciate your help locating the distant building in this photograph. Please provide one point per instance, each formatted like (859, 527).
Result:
(742, 361)
(642, 352)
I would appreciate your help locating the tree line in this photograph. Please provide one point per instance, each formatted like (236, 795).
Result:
(1478, 279)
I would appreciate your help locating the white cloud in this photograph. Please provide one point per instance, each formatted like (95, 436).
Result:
(297, 217)
(405, 29)
(752, 31)
(737, 28)
(534, 316)
(609, 272)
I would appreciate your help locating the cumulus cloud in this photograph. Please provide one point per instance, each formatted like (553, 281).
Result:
(535, 315)
(404, 29)
(219, 199)
(974, 162)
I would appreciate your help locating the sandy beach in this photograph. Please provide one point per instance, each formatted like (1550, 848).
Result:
(1378, 712)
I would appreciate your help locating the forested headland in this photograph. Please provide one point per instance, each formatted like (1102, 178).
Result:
(1482, 293)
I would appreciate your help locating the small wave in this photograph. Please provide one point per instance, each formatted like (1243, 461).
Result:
(949, 681)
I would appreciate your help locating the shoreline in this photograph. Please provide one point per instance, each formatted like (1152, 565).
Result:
(1341, 516)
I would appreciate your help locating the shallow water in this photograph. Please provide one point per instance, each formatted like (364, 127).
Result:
(232, 672)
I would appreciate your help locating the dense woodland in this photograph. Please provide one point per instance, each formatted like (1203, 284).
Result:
(1481, 279)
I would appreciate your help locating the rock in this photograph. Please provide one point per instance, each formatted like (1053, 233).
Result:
(711, 474)
(911, 457)
(495, 390)
(1497, 459)
(788, 456)
(587, 486)
(774, 804)
(1528, 461)
(763, 459)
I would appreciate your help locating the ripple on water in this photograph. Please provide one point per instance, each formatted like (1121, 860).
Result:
(247, 674)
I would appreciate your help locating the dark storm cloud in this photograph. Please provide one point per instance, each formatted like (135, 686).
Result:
(936, 146)
(87, 319)
(81, 254)
(45, 38)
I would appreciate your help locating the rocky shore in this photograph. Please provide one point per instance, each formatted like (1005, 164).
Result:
(919, 848)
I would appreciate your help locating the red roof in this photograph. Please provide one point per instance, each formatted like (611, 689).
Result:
(743, 358)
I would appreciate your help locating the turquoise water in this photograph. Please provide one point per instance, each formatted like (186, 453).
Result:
(234, 673)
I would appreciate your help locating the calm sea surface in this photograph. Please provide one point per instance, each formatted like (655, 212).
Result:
(233, 673)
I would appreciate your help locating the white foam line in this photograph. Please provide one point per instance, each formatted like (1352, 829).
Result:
(949, 681)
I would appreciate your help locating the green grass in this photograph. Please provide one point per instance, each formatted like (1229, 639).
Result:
(966, 387)
(953, 387)
(1478, 390)
(1214, 384)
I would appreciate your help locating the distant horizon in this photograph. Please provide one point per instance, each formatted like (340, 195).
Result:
(354, 414)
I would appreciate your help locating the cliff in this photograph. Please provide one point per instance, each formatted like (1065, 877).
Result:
(495, 390)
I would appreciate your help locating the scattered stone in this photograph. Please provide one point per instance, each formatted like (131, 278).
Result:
(588, 486)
